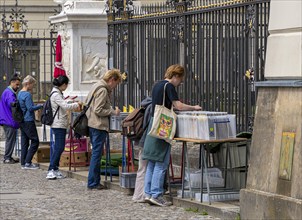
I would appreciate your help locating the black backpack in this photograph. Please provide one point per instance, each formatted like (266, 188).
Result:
(17, 112)
(47, 116)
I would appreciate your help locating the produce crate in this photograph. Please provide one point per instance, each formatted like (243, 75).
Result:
(42, 155)
(81, 159)
(127, 180)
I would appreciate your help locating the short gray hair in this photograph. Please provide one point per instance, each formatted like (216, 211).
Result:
(28, 79)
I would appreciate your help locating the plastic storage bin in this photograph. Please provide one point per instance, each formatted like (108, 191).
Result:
(214, 177)
(127, 180)
(222, 196)
(116, 121)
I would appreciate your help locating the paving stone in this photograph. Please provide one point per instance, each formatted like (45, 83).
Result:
(69, 199)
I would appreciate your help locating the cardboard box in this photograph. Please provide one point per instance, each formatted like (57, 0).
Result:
(80, 159)
(79, 145)
(42, 155)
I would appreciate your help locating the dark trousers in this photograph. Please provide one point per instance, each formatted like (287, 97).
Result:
(10, 134)
(60, 136)
(28, 133)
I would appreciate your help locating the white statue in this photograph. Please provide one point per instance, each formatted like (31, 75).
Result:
(97, 66)
(65, 4)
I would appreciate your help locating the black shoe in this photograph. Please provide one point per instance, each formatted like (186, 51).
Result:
(9, 161)
(15, 159)
(98, 187)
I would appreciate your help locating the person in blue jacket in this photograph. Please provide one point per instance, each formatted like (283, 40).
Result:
(6, 119)
(28, 126)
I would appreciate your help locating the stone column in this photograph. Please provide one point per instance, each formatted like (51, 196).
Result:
(274, 188)
(83, 28)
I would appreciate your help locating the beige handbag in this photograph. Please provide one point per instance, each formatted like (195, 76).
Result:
(164, 122)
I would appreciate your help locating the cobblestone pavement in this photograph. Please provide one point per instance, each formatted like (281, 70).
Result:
(27, 194)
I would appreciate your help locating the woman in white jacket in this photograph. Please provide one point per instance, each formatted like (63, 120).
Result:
(60, 123)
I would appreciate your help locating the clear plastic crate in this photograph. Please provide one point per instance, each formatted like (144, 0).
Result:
(214, 177)
(116, 121)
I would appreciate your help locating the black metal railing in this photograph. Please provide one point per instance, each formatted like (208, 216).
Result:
(221, 43)
(28, 53)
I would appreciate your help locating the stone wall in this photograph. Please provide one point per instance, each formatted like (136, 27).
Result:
(268, 195)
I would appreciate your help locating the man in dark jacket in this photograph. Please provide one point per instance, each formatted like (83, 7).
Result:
(6, 119)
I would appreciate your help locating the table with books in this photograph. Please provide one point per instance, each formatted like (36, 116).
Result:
(208, 130)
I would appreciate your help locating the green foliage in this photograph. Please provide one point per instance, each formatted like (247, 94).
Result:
(204, 212)
(192, 209)
(238, 217)
(196, 210)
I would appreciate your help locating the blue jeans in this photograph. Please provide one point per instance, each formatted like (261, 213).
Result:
(60, 136)
(155, 176)
(97, 138)
(28, 133)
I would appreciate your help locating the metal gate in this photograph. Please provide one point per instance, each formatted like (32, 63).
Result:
(221, 43)
(24, 54)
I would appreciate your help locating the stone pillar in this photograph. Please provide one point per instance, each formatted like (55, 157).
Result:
(274, 188)
(82, 25)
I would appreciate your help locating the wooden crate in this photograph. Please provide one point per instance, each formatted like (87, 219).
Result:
(42, 155)
(81, 159)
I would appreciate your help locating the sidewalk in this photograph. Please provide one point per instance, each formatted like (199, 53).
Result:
(27, 194)
(217, 209)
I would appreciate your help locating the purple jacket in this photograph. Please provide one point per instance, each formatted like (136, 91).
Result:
(6, 118)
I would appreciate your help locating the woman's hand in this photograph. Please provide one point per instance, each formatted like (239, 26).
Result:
(117, 111)
(81, 105)
(197, 107)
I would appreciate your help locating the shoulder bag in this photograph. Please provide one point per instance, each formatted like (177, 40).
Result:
(80, 124)
(164, 122)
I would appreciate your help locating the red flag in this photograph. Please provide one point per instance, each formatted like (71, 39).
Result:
(59, 70)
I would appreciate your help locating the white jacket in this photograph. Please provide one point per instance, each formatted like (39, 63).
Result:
(61, 118)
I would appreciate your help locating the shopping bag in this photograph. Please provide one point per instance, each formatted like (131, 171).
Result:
(164, 122)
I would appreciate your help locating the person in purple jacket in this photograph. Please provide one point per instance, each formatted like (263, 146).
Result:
(6, 119)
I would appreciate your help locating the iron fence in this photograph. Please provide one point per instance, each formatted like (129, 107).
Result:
(26, 53)
(221, 44)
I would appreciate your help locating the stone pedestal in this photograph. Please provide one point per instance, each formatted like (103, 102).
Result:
(83, 28)
(273, 189)
(269, 194)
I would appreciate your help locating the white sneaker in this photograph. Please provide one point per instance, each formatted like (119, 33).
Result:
(58, 174)
(51, 175)
(147, 199)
